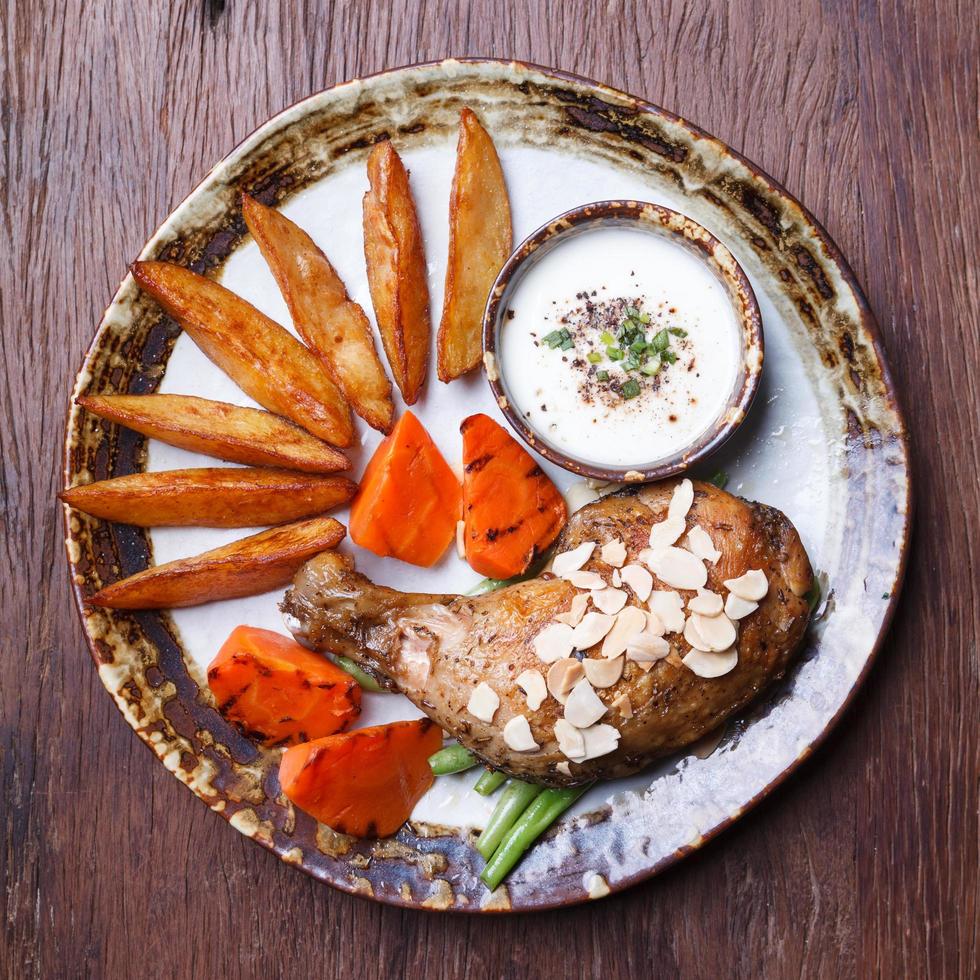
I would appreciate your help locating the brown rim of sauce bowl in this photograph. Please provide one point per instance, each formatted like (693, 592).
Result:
(688, 234)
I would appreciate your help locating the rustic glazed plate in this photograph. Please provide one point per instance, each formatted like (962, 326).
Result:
(825, 442)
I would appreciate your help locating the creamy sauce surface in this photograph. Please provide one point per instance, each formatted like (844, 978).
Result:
(619, 347)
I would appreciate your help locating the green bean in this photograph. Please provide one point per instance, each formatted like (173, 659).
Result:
(453, 758)
(361, 676)
(490, 782)
(535, 820)
(512, 803)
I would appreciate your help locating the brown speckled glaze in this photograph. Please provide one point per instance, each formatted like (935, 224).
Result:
(139, 657)
(687, 233)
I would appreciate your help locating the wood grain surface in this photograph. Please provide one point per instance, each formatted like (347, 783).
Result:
(865, 863)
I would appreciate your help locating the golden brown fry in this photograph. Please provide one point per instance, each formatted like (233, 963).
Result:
(256, 564)
(239, 435)
(396, 270)
(480, 240)
(332, 324)
(226, 497)
(261, 357)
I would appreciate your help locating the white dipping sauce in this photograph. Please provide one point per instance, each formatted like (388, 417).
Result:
(585, 286)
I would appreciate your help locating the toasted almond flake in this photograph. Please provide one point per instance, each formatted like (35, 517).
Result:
(752, 586)
(573, 616)
(562, 767)
(706, 603)
(613, 553)
(617, 579)
(603, 673)
(681, 500)
(578, 495)
(595, 885)
(629, 624)
(639, 580)
(736, 608)
(664, 534)
(655, 624)
(645, 666)
(490, 365)
(591, 630)
(572, 561)
(669, 606)
(710, 664)
(554, 642)
(583, 707)
(699, 543)
(718, 631)
(461, 539)
(609, 601)
(600, 740)
(585, 580)
(517, 735)
(647, 649)
(691, 634)
(623, 705)
(570, 740)
(678, 568)
(563, 676)
(532, 684)
(483, 702)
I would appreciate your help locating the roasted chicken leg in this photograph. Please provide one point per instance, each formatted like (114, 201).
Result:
(439, 649)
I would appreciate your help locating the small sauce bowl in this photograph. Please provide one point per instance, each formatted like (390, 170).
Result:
(680, 230)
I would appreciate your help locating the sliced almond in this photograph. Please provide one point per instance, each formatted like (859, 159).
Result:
(639, 580)
(554, 642)
(563, 676)
(613, 553)
(603, 673)
(517, 735)
(483, 702)
(573, 616)
(591, 630)
(699, 543)
(532, 684)
(710, 664)
(629, 624)
(585, 580)
(647, 649)
(562, 767)
(578, 495)
(664, 534)
(655, 625)
(752, 586)
(572, 561)
(571, 742)
(691, 634)
(609, 601)
(617, 579)
(706, 603)
(600, 740)
(461, 539)
(623, 705)
(583, 707)
(681, 500)
(669, 606)
(718, 631)
(736, 608)
(678, 568)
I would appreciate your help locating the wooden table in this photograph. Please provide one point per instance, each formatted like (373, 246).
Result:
(865, 863)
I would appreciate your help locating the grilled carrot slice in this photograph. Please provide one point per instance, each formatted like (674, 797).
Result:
(329, 321)
(409, 499)
(365, 782)
(239, 435)
(511, 511)
(277, 692)
(259, 563)
(264, 359)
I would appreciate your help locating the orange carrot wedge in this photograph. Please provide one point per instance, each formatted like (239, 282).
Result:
(264, 359)
(329, 321)
(239, 435)
(365, 782)
(409, 499)
(278, 693)
(256, 564)
(226, 497)
(511, 511)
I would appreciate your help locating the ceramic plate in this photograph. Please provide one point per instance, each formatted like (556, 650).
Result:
(825, 443)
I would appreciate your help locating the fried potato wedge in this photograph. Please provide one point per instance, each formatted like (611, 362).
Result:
(333, 326)
(226, 497)
(480, 239)
(396, 270)
(239, 435)
(256, 564)
(263, 358)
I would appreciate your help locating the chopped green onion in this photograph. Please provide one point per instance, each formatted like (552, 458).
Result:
(631, 389)
(453, 758)
(632, 311)
(607, 338)
(594, 356)
(514, 800)
(490, 782)
(644, 318)
(602, 375)
(361, 676)
(669, 356)
(651, 366)
(720, 479)
(661, 341)
(567, 344)
(639, 346)
(552, 339)
(631, 363)
(677, 331)
(614, 353)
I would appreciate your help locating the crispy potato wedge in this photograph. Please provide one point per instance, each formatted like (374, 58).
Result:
(334, 327)
(396, 270)
(205, 497)
(264, 359)
(256, 564)
(239, 435)
(480, 239)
